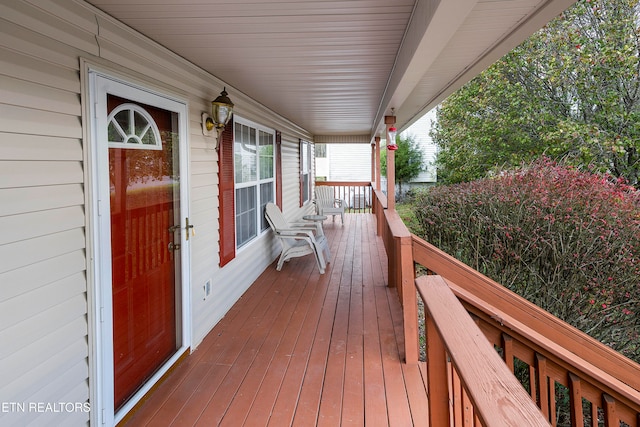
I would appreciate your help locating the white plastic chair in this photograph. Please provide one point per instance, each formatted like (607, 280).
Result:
(298, 239)
(327, 204)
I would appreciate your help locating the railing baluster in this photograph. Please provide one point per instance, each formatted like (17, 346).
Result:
(575, 400)
(609, 406)
(594, 415)
(552, 402)
(507, 349)
(541, 376)
(468, 416)
(458, 404)
(451, 373)
(356, 198)
(532, 383)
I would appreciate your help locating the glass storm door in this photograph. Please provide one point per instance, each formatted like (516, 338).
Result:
(144, 183)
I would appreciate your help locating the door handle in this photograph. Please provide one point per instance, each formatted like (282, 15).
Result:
(174, 247)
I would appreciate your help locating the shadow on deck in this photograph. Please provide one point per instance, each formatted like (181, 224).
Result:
(305, 349)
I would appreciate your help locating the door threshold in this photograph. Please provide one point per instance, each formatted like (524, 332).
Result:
(177, 361)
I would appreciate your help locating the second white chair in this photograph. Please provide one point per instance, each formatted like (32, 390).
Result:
(328, 204)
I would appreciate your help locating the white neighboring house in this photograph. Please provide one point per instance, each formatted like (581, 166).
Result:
(343, 162)
(352, 162)
(420, 132)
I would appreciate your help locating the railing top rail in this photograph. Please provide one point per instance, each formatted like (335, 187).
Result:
(344, 183)
(381, 197)
(479, 288)
(498, 397)
(396, 225)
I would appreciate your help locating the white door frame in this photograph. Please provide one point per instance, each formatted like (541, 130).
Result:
(99, 219)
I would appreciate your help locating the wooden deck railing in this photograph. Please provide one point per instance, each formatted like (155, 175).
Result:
(572, 378)
(358, 195)
(476, 373)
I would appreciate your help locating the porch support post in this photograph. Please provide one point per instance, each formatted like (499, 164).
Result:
(373, 162)
(391, 166)
(377, 162)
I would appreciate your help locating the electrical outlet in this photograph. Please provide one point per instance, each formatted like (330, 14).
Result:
(207, 288)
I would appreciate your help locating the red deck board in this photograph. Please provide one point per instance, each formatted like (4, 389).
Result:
(247, 391)
(308, 405)
(300, 348)
(266, 395)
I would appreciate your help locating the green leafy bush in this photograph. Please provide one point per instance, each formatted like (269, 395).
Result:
(568, 241)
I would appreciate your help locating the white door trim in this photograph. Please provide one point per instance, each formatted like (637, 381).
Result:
(99, 219)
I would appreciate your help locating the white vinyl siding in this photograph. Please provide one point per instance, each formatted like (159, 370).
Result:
(420, 131)
(45, 296)
(43, 287)
(349, 162)
(290, 177)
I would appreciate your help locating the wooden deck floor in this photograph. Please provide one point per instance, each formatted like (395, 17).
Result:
(303, 349)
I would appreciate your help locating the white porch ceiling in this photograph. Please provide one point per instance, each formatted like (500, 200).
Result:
(337, 67)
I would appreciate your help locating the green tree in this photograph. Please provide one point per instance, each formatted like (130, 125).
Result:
(408, 161)
(570, 91)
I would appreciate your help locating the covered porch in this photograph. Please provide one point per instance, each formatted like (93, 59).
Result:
(300, 348)
(296, 348)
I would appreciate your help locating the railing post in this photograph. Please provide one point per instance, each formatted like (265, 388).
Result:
(391, 166)
(437, 380)
(409, 299)
(401, 275)
(373, 161)
(379, 215)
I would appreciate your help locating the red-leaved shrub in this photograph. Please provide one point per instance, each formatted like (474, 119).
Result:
(567, 240)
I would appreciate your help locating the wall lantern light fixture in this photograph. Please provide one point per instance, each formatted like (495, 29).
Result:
(221, 111)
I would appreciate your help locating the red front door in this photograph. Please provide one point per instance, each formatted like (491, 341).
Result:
(144, 191)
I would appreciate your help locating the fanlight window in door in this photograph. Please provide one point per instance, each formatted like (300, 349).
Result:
(131, 126)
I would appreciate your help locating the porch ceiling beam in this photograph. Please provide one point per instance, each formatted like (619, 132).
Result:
(342, 139)
(416, 105)
(420, 85)
(431, 27)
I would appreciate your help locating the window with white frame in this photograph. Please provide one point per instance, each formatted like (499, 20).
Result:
(254, 165)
